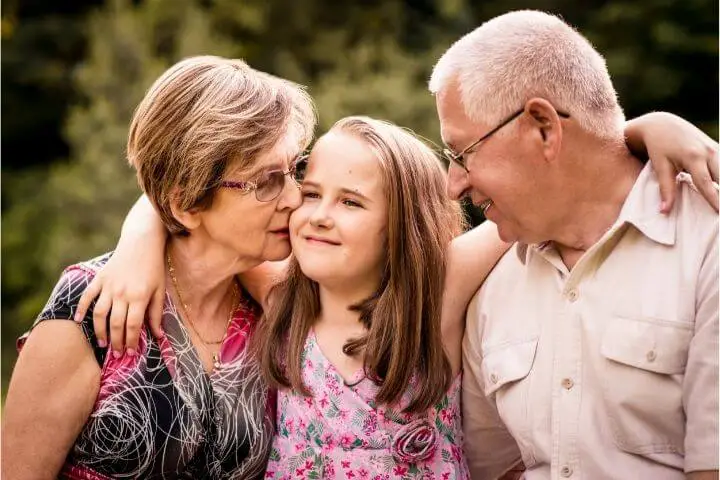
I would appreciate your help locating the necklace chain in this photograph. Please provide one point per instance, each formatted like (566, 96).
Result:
(186, 311)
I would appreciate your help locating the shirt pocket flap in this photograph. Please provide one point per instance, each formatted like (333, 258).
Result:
(507, 363)
(655, 345)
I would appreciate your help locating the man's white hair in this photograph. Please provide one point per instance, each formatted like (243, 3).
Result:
(512, 58)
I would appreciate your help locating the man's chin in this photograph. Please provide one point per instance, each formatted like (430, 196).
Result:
(507, 235)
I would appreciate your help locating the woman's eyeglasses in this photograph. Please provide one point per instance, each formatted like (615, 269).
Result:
(269, 184)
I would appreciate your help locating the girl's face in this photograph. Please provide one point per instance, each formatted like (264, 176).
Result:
(338, 233)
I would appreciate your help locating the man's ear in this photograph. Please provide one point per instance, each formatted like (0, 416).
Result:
(546, 122)
(189, 218)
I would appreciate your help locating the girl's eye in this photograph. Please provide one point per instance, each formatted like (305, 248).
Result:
(310, 195)
(351, 203)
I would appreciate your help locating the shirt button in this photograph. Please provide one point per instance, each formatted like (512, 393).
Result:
(567, 383)
(566, 471)
(572, 295)
(651, 356)
(494, 378)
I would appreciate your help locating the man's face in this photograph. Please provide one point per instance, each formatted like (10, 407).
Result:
(503, 169)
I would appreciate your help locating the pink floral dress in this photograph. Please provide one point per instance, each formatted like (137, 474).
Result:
(339, 432)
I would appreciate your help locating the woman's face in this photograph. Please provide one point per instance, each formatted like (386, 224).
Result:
(243, 226)
(339, 231)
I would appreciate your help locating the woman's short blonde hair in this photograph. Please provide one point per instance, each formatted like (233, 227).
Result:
(203, 114)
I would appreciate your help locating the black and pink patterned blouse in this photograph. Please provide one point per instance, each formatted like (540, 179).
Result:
(158, 414)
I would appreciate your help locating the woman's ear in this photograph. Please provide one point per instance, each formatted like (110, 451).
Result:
(190, 219)
(546, 121)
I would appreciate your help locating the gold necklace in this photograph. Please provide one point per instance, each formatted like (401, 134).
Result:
(186, 311)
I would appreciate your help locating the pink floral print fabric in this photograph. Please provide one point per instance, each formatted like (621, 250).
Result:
(340, 432)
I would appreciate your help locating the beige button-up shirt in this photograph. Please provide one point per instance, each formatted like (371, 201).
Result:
(607, 371)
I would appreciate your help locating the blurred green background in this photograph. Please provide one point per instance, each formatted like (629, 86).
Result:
(72, 73)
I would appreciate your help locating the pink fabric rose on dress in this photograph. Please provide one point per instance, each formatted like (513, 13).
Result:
(415, 442)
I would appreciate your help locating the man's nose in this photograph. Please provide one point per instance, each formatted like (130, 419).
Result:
(457, 182)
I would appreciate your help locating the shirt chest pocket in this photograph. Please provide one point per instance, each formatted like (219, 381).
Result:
(505, 370)
(507, 363)
(644, 362)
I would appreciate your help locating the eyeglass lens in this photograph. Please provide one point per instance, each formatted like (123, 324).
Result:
(270, 185)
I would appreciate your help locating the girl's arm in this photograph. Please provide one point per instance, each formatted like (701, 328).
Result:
(675, 145)
(258, 281)
(132, 282)
(471, 257)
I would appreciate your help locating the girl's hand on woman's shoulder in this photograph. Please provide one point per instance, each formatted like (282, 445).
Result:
(131, 284)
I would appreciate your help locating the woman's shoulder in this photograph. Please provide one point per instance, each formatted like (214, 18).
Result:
(89, 267)
(70, 287)
(65, 296)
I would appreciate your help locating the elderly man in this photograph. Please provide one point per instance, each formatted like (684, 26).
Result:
(592, 349)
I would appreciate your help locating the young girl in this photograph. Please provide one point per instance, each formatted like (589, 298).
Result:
(353, 337)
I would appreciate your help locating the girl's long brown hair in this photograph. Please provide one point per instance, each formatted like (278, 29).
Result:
(402, 318)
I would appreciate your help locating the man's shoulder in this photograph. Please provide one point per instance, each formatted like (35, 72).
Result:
(513, 262)
(503, 278)
(498, 307)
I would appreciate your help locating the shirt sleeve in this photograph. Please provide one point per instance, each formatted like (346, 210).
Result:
(490, 449)
(64, 301)
(700, 386)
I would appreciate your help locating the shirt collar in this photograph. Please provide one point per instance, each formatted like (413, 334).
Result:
(523, 249)
(642, 210)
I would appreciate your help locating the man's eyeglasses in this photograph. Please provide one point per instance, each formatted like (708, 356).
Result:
(459, 158)
(268, 185)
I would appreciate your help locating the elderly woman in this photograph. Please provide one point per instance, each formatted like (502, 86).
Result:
(214, 143)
